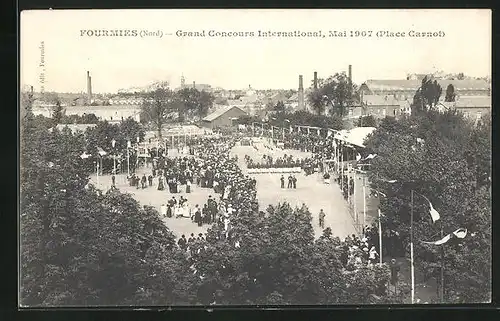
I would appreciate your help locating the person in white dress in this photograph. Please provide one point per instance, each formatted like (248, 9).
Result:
(163, 210)
(179, 211)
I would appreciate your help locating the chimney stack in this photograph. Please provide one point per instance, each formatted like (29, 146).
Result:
(350, 74)
(301, 94)
(194, 84)
(315, 80)
(89, 88)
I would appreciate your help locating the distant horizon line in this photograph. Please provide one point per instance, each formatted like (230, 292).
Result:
(152, 82)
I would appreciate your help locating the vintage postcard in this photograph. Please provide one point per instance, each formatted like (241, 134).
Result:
(254, 157)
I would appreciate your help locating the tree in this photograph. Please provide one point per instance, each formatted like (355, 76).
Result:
(336, 91)
(427, 95)
(450, 93)
(279, 107)
(57, 112)
(367, 121)
(194, 102)
(441, 153)
(158, 106)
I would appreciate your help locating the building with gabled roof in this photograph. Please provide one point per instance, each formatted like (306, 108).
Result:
(223, 117)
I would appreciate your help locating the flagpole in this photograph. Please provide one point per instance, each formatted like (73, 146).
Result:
(442, 266)
(97, 172)
(411, 253)
(380, 235)
(128, 161)
(364, 203)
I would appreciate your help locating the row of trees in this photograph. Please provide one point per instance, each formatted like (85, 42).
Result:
(163, 105)
(448, 159)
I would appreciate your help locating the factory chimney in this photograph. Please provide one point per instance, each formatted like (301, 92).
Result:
(350, 74)
(301, 94)
(89, 88)
(194, 84)
(315, 80)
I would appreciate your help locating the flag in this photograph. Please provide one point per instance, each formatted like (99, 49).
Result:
(358, 157)
(371, 156)
(101, 151)
(441, 241)
(329, 133)
(85, 155)
(459, 233)
(434, 214)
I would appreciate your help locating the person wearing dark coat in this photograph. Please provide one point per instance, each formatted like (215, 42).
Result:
(143, 181)
(294, 181)
(182, 242)
(206, 214)
(150, 179)
(197, 216)
(282, 181)
(290, 182)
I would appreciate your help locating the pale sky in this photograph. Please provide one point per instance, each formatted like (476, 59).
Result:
(237, 62)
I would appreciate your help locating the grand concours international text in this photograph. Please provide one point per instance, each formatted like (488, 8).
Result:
(258, 33)
(109, 32)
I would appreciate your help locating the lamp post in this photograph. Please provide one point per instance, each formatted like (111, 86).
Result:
(113, 143)
(129, 145)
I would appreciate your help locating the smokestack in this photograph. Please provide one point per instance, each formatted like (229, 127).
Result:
(194, 84)
(301, 94)
(89, 88)
(31, 89)
(350, 74)
(315, 80)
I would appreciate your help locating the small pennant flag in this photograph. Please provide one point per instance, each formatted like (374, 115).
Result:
(85, 155)
(459, 233)
(371, 156)
(101, 151)
(358, 157)
(441, 241)
(434, 214)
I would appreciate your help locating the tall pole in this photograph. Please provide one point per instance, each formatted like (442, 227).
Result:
(354, 193)
(442, 267)
(364, 204)
(97, 172)
(128, 161)
(380, 235)
(253, 129)
(411, 253)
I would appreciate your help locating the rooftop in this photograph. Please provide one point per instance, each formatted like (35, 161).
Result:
(219, 112)
(403, 84)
